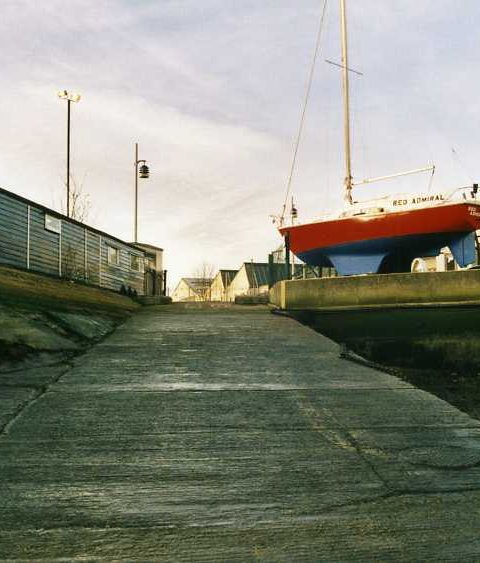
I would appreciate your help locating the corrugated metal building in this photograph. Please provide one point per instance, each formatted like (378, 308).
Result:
(37, 238)
(251, 279)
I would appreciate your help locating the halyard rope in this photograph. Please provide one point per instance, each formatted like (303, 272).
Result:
(305, 103)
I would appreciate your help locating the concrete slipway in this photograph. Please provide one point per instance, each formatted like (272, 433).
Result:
(232, 435)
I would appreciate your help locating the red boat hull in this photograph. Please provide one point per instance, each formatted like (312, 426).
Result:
(363, 243)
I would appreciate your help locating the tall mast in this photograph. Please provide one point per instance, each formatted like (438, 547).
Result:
(346, 105)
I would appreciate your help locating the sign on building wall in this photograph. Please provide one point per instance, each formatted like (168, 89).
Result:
(53, 224)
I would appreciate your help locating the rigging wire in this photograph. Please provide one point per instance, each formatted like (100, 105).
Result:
(304, 110)
(461, 164)
(358, 105)
(431, 179)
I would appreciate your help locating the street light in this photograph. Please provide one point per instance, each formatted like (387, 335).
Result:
(144, 172)
(70, 97)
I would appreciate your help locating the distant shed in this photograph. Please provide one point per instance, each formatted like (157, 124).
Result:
(155, 277)
(34, 237)
(192, 289)
(220, 284)
(251, 279)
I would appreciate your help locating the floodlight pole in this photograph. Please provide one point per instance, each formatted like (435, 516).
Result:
(68, 157)
(135, 228)
(70, 97)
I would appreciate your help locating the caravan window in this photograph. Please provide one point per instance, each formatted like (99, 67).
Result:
(135, 263)
(113, 255)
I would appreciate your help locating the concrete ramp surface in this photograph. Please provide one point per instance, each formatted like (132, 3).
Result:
(231, 435)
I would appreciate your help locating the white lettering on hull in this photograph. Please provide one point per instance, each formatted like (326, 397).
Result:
(417, 200)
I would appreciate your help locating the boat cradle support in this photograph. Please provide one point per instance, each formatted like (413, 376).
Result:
(391, 255)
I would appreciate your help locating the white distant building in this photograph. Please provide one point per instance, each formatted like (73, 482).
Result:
(220, 285)
(251, 279)
(192, 289)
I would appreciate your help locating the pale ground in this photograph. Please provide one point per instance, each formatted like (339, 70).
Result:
(231, 435)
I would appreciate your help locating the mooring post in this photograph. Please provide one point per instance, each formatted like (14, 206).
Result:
(477, 247)
(288, 272)
(164, 289)
(271, 275)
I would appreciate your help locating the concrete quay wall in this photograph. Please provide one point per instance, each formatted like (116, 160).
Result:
(389, 290)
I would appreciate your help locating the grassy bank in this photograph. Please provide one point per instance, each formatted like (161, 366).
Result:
(45, 319)
(42, 293)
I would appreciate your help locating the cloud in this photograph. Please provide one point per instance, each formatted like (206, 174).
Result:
(212, 91)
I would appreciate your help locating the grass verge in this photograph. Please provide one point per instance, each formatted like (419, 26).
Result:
(27, 290)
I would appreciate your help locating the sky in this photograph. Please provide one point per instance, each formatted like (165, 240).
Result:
(212, 91)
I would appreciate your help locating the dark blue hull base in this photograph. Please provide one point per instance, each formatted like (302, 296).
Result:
(393, 254)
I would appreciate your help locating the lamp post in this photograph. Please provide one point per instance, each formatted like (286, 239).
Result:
(70, 97)
(143, 172)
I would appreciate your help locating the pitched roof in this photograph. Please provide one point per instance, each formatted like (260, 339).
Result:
(64, 217)
(227, 276)
(257, 273)
(198, 284)
(144, 245)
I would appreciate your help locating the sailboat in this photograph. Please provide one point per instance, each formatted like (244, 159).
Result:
(385, 235)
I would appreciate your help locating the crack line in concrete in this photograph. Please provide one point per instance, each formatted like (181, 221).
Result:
(24, 406)
(345, 441)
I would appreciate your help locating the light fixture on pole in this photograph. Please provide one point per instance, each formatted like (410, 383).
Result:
(70, 97)
(143, 172)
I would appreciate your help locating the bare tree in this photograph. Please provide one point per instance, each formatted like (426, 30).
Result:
(203, 276)
(79, 200)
